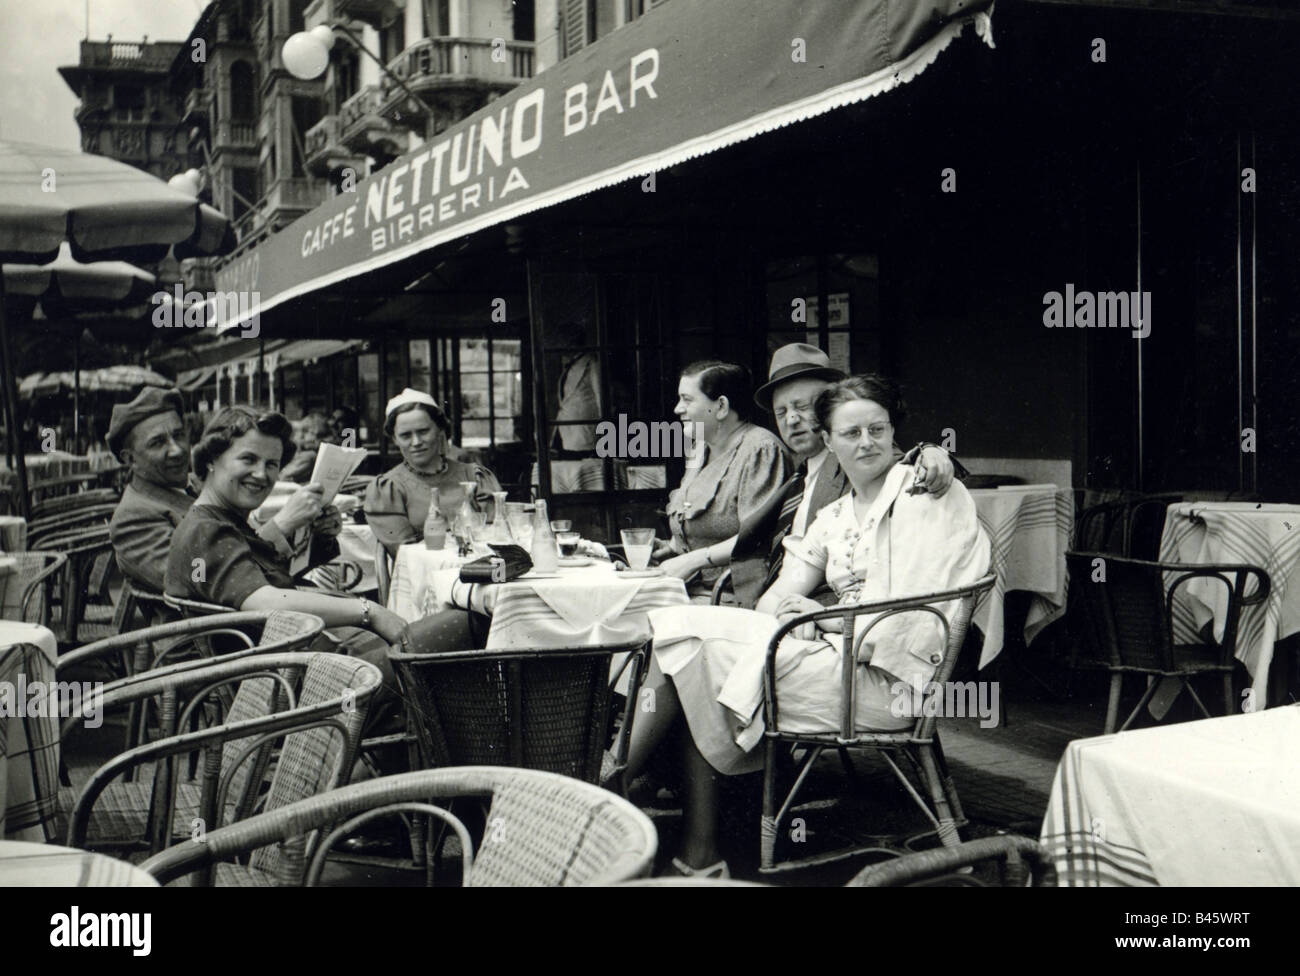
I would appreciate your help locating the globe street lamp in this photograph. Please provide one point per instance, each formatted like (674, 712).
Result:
(306, 55)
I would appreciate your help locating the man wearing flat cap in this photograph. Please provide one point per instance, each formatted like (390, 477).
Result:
(798, 373)
(149, 437)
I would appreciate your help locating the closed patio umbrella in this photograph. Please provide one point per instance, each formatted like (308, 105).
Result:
(104, 211)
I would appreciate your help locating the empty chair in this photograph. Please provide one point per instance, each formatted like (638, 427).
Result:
(539, 708)
(316, 703)
(1017, 861)
(1128, 624)
(542, 829)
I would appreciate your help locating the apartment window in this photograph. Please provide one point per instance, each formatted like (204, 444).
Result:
(437, 18)
(306, 112)
(243, 93)
(129, 100)
(525, 23)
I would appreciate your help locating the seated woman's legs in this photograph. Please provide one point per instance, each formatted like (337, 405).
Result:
(654, 713)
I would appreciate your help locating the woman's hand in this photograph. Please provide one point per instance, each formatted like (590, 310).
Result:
(329, 522)
(302, 508)
(934, 471)
(386, 624)
(687, 565)
(795, 605)
(663, 550)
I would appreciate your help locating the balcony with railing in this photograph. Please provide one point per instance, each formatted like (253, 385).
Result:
(361, 126)
(235, 135)
(156, 56)
(457, 66)
(376, 13)
(325, 150)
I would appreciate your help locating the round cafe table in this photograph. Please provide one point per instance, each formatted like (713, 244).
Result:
(27, 865)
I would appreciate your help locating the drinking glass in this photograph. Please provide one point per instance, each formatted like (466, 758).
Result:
(521, 523)
(638, 544)
(561, 525)
(568, 543)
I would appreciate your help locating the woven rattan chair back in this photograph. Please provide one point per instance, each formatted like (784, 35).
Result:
(38, 573)
(1015, 862)
(542, 829)
(544, 709)
(316, 759)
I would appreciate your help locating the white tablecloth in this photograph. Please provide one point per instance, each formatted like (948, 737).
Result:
(29, 746)
(1212, 802)
(410, 592)
(1262, 535)
(1029, 528)
(26, 865)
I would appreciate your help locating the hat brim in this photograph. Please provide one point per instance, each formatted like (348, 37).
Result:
(763, 395)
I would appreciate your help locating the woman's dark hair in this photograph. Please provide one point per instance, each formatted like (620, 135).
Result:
(230, 424)
(717, 379)
(434, 414)
(866, 386)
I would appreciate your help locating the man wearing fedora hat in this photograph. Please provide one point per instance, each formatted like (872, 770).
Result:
(149, 437)
(798, 373)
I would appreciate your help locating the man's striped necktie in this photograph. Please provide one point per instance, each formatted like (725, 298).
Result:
(790, 503)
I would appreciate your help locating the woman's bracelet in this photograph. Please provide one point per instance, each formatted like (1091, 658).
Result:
(365, 613)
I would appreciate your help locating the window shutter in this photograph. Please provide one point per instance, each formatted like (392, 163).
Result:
(573, 26)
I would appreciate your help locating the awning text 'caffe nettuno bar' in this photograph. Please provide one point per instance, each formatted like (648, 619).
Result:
(678, 83)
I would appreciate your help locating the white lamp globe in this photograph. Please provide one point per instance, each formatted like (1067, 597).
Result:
(305, 56)
(323, 33)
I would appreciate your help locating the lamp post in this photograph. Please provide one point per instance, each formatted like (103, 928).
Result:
(306, 55)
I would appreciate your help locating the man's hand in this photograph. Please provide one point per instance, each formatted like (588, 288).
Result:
(934, 471)
(687, 565)
(795, 605)
(302, 508)
(329, 522)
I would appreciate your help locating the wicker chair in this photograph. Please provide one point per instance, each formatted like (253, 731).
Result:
(137, 652)
(84, 614)
(86, 517)
(543, 830)
(1128, 624)
(69, 503)
(327, 696)
(1019, 862)
(37, 574)
(536, 708)
(918, 745)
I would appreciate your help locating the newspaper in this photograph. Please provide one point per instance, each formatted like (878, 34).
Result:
(334, 465)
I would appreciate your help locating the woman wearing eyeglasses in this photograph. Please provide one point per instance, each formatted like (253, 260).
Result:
(877, 542)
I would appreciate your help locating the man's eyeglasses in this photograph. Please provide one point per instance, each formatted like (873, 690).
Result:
(877, 432)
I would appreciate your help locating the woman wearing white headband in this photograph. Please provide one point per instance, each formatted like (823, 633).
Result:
(397, 502)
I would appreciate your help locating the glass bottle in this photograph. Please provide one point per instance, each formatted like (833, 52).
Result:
(545, 554)
(499, 531)
(435, 525)
(464, 524)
